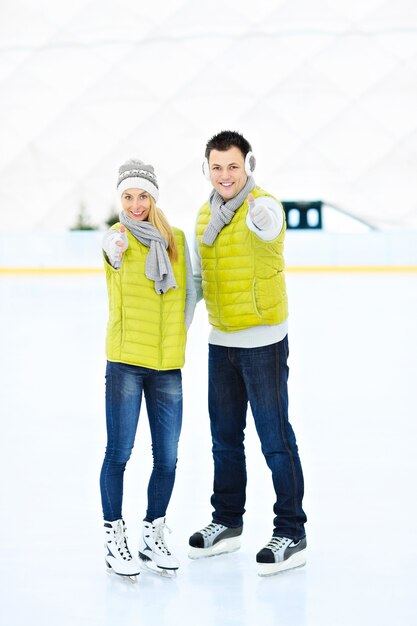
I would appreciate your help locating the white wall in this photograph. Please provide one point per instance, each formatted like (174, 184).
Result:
(325, 90)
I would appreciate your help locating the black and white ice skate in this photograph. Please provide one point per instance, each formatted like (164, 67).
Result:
(279, 554)
(214, 539)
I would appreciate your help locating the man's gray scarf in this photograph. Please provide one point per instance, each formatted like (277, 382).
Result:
(222, 212)
(158, 266)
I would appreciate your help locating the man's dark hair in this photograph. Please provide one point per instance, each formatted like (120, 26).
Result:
(227, 139)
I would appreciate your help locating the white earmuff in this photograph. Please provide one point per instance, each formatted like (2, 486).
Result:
(206, 168)
(250, 163)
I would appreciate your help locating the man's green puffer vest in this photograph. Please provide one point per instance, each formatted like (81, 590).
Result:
(242, 275)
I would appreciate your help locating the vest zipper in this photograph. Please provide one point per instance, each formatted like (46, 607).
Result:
(255, 304)
(160, 331)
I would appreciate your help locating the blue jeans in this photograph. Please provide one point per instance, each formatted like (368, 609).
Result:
(163, 396)
(257, 375)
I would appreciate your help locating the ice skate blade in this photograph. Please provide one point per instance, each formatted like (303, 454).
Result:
(150, 566)
(270, 569)
(222, 547)
(128, 578)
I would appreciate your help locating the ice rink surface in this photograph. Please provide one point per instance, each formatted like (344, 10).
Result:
(353, 381)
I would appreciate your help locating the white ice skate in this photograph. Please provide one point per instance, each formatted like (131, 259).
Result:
(281, 554)
(154, 554)
(118, 556)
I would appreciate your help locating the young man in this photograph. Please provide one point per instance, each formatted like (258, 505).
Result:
(239, 272)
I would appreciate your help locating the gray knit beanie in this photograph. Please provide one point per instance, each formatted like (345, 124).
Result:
(135, 174)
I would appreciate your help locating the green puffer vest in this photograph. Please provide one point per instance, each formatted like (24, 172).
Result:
(242, 275)
(145, 328)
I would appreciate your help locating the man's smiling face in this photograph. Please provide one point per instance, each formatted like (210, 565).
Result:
(227, 171)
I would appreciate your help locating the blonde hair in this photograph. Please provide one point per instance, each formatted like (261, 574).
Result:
(157, 218)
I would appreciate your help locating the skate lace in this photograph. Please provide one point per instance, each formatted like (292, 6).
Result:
(277, 543)
(160, 539)
(210, 529)
(120, 539)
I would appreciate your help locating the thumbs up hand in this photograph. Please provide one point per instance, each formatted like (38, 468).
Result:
(259, 214)
(121, 240)
(118, 244)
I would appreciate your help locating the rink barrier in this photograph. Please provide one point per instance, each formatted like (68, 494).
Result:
(290, 269)
(51, 270)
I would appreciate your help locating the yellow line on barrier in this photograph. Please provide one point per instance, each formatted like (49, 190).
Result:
(292, 269)
(352, 268)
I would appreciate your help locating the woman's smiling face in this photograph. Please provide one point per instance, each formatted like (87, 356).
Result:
(136, 204)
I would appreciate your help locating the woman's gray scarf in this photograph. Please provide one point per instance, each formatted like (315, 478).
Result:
(158, 266)
(222, 212)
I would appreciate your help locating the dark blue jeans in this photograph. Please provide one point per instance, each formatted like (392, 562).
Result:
(257, 375)
(163, 396)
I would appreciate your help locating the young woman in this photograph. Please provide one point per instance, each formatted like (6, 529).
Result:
(151, 305)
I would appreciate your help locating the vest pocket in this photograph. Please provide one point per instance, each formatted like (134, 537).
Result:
(269, 299)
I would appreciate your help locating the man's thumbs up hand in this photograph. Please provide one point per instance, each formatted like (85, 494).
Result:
(259, 214)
